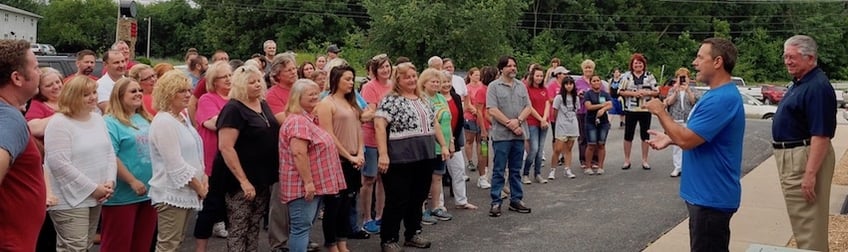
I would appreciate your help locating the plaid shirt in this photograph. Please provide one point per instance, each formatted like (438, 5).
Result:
(324, 161)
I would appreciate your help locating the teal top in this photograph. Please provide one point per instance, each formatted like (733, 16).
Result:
(443, 115)
(132, 148)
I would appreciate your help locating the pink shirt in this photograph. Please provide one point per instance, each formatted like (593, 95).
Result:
(373, 92)
(277, 98)
(38, 110)
(208, 106)
(147, 100)
(324, 163)
(472, 91)
(480, 99)
(553, 90)
(581, 85)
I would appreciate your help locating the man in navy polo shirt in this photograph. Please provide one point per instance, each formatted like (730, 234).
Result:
(803, 126)
(712, 144)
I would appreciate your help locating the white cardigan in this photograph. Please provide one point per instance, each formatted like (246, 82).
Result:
(79, 155)
(177, 156)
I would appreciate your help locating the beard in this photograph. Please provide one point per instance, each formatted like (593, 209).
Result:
(88, 71)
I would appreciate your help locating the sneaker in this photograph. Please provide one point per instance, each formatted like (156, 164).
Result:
(391, 247)
(600, 171)
(588, 171)
(552, 174)
(360, 235)
(441, 214)
(544, 156)
(470, 166)
(539, 179)
(371, 227)
(313, 247)
(417, 241)
(560, 161)
(526, 180)
(675, 173)
(220, 230)
(495, 211)
(569, 174)
(483, 183)
(428, 219)
(519, 207)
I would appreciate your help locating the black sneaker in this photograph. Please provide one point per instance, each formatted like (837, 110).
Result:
(417, 241)
(360, 235)
(495, 211)
(518, 207)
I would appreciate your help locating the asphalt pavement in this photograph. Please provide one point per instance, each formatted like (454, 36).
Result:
(622, 210)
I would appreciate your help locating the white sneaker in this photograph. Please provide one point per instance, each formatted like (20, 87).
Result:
(483, 183)
(588, 172)
(544, 156)
(569, 174)
(526, 180)
(675, 173)
(599, 171)
(552, 174)
(539, 179)
(220, 230)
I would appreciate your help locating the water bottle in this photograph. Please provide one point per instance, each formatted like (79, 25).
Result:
(484, 147)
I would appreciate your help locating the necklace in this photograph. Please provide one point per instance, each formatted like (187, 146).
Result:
(264, 118)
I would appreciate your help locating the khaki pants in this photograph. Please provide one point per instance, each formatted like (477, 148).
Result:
(75, 228)
(172, 225)
(809, 220)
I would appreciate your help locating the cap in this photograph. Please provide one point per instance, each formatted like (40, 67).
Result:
(333, 49)
(560, 70)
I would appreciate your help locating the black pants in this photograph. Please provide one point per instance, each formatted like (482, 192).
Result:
(582, 143)
(709, 229)
(214, 211)
(336, 223)
(630, 121)
(407, 186)
(47, 236)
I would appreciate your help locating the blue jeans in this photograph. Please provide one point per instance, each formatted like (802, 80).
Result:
(508, 153)
(302, 214)
(534, 154)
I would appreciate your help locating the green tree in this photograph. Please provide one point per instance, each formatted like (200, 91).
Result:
(174, 28)
(91, 24)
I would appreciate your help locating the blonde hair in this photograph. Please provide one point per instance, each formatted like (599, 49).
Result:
(212, 73)
(46, 71)
(682, 72)
(399, 70)
(135, 71)
(240, 83)
(172, 83)
(300, 86)
(118, 109)
(71, 101)
(587, 63)
(427, 75)
(252, 62)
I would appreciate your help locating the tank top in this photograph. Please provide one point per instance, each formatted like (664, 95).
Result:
(346, 126)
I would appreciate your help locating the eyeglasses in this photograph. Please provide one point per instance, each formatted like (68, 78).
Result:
(135, 90)
(151, 77)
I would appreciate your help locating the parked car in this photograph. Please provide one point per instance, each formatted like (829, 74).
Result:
(754, 91)
(754, 109)
(67, 64)
(48, 49)
(772, 94)
(36, 49)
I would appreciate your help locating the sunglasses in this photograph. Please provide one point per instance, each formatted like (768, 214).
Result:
(134, 90)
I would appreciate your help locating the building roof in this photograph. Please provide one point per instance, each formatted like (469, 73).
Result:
(19, 11)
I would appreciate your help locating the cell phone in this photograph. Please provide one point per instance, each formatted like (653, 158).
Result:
(682, 79)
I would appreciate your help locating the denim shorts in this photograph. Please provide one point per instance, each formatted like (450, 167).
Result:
(471, 126)
(371, 161)
(441, 166)
(597, 134)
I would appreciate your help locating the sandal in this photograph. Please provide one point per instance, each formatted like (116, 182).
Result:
(467, 206)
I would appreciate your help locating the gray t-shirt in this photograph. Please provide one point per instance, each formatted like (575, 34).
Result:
(511, 100)
(14, 134)
(566, 120)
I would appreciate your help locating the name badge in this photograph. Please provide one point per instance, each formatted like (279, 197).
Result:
(602, 99)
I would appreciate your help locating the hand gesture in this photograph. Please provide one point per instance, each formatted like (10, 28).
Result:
(658, 140)
(655, 106)
(249, 191)
(518, 131)
(472, 110)
(358, 161)
(52, 200)
(202, 192)
(445, 154)
(544, 124)
(102, 192)
(310, 191)
(512, 123)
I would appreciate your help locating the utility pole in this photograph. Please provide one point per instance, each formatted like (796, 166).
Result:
(149, 21)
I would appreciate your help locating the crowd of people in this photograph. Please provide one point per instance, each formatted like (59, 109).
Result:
(132, 156)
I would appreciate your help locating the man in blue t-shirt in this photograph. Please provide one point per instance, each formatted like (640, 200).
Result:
(712, 145)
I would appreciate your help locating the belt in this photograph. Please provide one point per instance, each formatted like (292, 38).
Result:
(790, 144)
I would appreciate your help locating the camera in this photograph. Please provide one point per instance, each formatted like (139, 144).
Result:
(682, 79)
